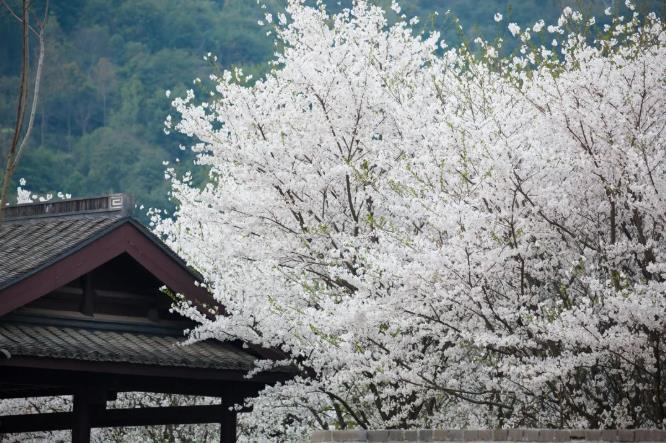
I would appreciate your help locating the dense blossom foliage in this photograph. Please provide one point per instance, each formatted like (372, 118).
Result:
(162, 434)
(438, 236)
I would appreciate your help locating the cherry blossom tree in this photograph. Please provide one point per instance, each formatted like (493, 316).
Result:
(437, 237)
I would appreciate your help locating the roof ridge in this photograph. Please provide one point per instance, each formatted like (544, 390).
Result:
(120, 204)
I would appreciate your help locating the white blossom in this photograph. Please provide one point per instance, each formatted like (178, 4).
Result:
(436, 239)
(514, 28)
(538, 26)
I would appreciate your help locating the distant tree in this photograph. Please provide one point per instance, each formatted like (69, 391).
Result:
(104, 78)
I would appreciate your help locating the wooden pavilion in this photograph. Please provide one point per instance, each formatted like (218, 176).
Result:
(82, 314)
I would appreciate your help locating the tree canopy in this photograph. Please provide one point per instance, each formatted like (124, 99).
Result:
(109, 63)
(438, 236)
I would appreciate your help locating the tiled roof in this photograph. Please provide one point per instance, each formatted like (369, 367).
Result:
(35, 236)
(27, 245)
(33, 340)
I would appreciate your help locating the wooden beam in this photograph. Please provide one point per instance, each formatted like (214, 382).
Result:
(228, 426)
(58, 421)
(28, 370)
(54, 421)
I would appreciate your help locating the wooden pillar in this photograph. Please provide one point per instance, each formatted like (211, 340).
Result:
(228, 430)
(81, 422)
(89, 403)
(88, 299)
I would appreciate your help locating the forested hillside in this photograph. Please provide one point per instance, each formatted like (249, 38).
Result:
(99, 126)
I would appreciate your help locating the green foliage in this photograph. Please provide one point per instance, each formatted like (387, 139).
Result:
(99, 126)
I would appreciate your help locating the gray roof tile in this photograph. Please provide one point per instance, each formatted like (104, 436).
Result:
(29, 244)
(31, 340)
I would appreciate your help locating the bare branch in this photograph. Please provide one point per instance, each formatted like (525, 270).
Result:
(19, 141)
(35, 96)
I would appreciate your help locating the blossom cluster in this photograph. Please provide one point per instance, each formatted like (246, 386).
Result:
(437, 238)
